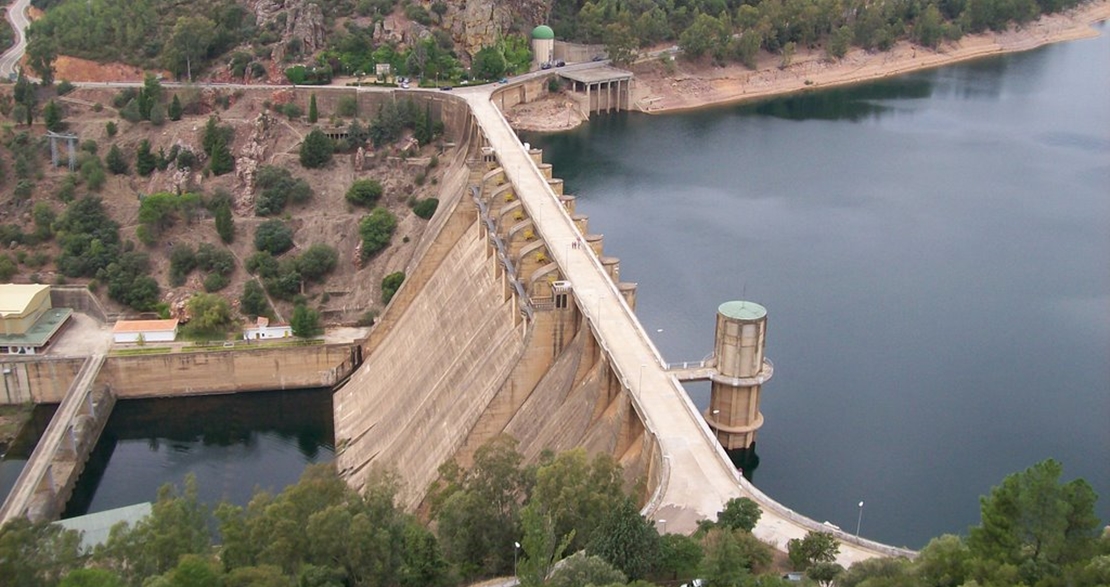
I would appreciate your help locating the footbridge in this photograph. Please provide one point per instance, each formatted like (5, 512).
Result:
(46, 482)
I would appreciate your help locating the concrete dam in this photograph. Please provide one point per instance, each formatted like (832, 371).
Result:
(512, 320)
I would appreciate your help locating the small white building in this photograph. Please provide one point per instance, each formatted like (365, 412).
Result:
(263, 330)
(144, 331)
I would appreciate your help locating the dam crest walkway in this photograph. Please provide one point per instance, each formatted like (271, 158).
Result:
(697, 477)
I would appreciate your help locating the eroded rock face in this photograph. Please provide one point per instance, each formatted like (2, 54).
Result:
(304, 22)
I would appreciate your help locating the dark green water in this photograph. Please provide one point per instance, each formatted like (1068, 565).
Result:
(934, 254)
(232, 443)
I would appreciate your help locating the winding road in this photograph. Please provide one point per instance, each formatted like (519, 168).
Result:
(17, 15)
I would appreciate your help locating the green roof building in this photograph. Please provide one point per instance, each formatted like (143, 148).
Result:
(543, 32)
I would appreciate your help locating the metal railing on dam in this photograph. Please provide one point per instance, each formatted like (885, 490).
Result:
(697, 476)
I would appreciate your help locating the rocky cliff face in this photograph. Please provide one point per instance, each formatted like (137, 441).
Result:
(304, 22)
(478, 23)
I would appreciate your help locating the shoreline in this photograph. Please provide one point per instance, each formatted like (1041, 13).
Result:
(679, 86)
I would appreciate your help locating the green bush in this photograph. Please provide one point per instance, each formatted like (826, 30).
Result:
(376, 230)
(316, 150)
(390, 284)
(214, 282)
(426, 208)
(317, 262)
(277, 187)
(365, 192)
(262, 264)
(253, 301)
(183, 260)
(274, 237)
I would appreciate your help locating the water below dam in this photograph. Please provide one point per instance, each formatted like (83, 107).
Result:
(234, 444)
(934, 254)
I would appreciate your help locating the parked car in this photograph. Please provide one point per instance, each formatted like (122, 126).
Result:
(545, 65)
(560, 63)
(445, 88)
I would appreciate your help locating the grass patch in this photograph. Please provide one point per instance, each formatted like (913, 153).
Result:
(158, 350)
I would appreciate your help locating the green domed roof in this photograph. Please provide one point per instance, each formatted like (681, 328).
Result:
(543, 32)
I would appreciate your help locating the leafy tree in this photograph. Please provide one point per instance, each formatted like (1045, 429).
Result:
(679, 556)
(44, 216)
(626, 540)
(253, 301)
(581, 569)
(214, 134)
(724, 564)
(620, 42)
(305, 322)
(579, 493)
(154, 545)
(225, 224)
(816, 547)
(365, 192)
(145, 162)
(157, 114)
(316, 150)
(52, 117)
(89, 238)
(40, 57)
(262, 264)
(740, 513)
(117, 163)
(488, 63)
(8, 267)
(25, 96)
(209, 314)
(111, 128)
(317, 262)
(175, 109)
(824, 573)
(183, 259)
(91, 578)
(130, 111)
(943, 562)
(483, 515)
(376, 230)
(192, 36)
(277, 187)
(313, 112)
(273, 236)
(1033, 521)
(129, 281)
(882, 571)
(390, 284)
(37, 554)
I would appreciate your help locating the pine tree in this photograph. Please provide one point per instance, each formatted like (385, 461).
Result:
(175, 108)
(316, 150)
(222, 161)
(225, 224)
(145, 161)
(117, 163)
(157, 114)
(52, 116)
(313, 113)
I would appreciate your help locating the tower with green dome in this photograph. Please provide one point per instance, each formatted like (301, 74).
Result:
(543, 44)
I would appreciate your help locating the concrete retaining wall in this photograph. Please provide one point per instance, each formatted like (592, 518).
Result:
(42, 380)
(200, 373)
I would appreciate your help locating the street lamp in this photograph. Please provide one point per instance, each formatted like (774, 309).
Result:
(516, 548)
(860, 519)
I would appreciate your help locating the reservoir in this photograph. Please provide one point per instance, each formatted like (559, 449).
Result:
(934, 254)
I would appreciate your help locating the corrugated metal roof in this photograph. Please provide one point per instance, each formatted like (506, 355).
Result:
(15, 297)
(95, 528)
(144, 325)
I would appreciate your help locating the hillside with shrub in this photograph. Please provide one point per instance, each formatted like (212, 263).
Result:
(205, 192)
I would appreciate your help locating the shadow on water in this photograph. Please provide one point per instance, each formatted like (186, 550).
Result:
(11, 464)
(854, 103)
(230, 442)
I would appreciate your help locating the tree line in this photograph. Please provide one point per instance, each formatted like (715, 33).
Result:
(502, 517)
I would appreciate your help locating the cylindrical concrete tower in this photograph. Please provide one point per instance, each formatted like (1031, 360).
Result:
(543, 45)
(740, 373)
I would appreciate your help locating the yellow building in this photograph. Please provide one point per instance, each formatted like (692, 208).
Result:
(21, 305)
(27, 319)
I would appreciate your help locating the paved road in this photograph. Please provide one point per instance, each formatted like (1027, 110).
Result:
(17, 15)
(698, 477)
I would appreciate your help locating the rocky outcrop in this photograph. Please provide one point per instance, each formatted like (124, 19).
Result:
(304, 24)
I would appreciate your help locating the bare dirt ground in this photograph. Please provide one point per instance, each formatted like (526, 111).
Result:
(662, 85)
